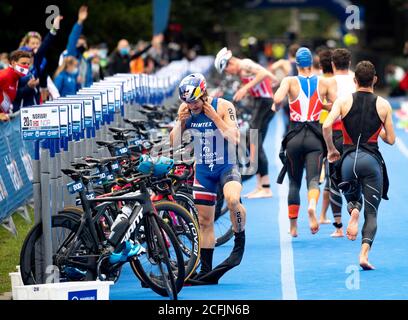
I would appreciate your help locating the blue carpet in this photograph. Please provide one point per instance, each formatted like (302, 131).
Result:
(324, 268)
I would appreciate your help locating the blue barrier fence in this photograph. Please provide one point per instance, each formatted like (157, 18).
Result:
(16, 172)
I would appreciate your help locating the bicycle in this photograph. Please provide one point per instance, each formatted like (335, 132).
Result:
(84, 253)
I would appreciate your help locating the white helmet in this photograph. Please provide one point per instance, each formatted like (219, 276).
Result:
(222, 58)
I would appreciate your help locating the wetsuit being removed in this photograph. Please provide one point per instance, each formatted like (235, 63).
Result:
(215, 167)
(304, 147)
(363, 170)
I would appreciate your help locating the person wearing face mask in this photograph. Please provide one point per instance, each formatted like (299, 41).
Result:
(77, 46)
(120, 58)
(19, 65)
(66, 77)
(32, 88)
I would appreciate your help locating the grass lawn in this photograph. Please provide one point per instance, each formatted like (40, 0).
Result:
(10, 249)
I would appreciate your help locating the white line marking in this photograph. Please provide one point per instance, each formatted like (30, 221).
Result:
(401, 146)
(287, 266)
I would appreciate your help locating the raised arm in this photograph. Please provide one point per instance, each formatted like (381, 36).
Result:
(176, 133)
(225, 119)
(260, 73)
(47, 42)
(76, 32)
(281, 64)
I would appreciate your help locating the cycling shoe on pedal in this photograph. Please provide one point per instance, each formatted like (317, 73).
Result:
(74, 273)
(129, 250)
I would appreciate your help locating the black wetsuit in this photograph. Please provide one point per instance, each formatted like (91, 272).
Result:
(261, 117)
(363, 169)
(336, 199)
(304, 151)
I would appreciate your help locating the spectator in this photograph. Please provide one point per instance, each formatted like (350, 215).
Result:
(19, 65)
(76, 47)
(32, 88)
(97, 71)
(121, 58)
(4, 60)
(31, 41)
(403, 85)
(393, 76)
(66, 77)
(150, 65)
(137, 65)
(119, 61)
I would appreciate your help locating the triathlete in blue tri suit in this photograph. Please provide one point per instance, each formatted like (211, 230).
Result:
(212, 123)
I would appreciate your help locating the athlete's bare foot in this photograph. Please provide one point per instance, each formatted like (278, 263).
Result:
(352, 228)
(365, 248)
(257, 189)
(338, 233)
(324, 220)
(314, 226)
(366, 265)
(293, 228)
(261, 193)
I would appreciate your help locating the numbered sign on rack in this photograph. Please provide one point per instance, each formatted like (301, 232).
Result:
(76, 117)
(64, 120)
(40, 122)
(89, 113)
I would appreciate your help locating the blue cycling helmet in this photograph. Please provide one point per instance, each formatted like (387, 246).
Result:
(304, 57)
(192, 87)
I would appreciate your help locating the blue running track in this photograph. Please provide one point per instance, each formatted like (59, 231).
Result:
(310, 267)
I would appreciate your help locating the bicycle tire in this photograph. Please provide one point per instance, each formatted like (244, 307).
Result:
(186, 230)
(186, 200)
(103, 229)
(227, 236)
(157, 226)
(30, 254)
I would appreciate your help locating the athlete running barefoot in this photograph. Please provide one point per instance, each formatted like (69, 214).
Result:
(325, 60)
(302, 147)
(212, 122)
(343, 81)
(257, 82)
(364, 117)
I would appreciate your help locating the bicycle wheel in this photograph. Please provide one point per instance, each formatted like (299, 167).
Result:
(186, 201)
(162, 268)
(185, 229)
(103, 225)
(63, 231)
